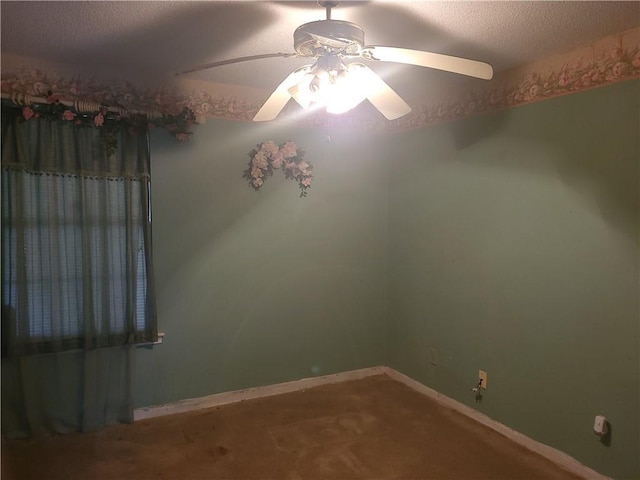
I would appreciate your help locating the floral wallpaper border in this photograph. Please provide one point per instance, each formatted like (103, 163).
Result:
(164, 100)
(610, 60)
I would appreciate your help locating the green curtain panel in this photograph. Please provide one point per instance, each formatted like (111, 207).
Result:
(77, 272)
(77, 390)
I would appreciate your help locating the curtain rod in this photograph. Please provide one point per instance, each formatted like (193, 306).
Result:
(80, 106)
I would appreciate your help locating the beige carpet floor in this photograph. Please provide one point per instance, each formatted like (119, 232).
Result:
(375, 428)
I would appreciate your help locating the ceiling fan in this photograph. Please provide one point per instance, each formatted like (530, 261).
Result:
(335, 83)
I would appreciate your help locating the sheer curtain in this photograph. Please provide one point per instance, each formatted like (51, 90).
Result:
(77, 283)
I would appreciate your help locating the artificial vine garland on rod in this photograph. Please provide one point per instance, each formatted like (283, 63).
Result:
(268, 157)
(108, 121)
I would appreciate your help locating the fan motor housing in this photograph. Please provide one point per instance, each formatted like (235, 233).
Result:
(328, 36)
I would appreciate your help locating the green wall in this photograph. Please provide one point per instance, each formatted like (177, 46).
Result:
(513, 248)
(256, 288)
(506, 242)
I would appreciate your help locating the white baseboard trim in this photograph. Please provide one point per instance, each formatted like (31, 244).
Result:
(224, 398)
(556, 456)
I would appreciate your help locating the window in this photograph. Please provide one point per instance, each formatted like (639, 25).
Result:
(76, 262)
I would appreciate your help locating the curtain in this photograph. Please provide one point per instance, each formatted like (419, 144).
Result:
(77, 275)
(76, 390)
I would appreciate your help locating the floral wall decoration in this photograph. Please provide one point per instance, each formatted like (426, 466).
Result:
(268, 157)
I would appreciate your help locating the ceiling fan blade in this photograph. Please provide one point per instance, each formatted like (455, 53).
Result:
(381, 95)
(236, 60)
(280, 96)
(463, 66)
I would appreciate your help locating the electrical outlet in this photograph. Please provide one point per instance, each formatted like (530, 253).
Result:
(482, 376)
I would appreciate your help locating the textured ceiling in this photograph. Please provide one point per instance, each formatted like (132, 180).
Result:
(161, 38)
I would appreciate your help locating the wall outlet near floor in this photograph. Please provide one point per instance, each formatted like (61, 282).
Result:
(482, 375)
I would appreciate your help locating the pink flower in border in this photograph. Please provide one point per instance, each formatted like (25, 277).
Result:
(52, 98)
(616, 53)
(619, 69)
(306, 182)
(636, 60)
(68, 115)
(257, 182)
(564, 78)
(27, 113)
(182, 137)
(98, 120)
(39, 88)
(534, 91)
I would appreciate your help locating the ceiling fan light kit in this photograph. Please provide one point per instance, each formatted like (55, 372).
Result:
(337, 85)
(332, 84)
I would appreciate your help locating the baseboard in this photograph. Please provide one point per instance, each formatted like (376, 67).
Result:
(556, 456)
(218, 399)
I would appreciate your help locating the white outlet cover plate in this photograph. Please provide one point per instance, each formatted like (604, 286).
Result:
(482, 375)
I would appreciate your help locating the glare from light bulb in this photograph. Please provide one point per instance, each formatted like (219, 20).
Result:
(348, 90)
(338, 87)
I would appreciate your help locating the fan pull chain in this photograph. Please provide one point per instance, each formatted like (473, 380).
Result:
(328, 126)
